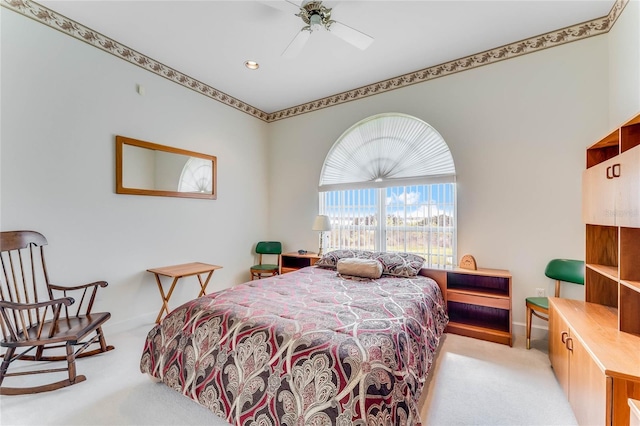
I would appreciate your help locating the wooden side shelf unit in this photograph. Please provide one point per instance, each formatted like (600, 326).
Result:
(611, 213)
(478, 302)
(293, 261)
(594, 346)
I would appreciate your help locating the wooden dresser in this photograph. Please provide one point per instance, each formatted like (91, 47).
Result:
(594, 346)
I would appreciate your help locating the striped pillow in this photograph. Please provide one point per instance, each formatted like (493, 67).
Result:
(362, 268)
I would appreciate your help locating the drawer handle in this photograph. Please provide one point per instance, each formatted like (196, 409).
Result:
(563, 336)
(613, 171)
(616, 170)
(569, 343)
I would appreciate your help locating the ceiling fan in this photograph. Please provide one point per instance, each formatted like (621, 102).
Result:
(317, 18)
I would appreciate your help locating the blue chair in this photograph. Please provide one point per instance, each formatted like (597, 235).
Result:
(561, 270)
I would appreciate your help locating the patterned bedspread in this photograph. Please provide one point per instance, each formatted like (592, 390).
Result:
(303, 348)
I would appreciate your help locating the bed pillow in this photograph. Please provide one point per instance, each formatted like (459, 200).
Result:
(330, 260)
(399, 264)
(357, 267)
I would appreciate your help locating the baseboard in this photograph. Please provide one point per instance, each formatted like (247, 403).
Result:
(115, 327)
(538, 332)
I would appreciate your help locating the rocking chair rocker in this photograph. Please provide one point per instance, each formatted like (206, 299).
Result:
(42, 322)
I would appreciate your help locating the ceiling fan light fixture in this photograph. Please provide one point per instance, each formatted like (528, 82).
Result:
(317, 17)
(315, 22)
(252, 65)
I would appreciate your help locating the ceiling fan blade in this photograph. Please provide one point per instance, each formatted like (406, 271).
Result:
(295, 4)
(297, 43)
(286, 6)
(350, 35)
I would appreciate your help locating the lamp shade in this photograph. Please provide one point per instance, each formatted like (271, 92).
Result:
(322, 223)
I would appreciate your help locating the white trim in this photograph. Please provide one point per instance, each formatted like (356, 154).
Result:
(420, 180)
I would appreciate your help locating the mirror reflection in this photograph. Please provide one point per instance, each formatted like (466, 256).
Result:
(145, 168)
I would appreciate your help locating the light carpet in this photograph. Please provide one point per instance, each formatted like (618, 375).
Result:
(472, 383)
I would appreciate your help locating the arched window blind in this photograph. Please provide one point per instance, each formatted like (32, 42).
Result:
(387, 147)
(388, 184)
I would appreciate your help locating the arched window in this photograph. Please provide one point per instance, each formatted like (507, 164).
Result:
(196, 176)
(388, 184)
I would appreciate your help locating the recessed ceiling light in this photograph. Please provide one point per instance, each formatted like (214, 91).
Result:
(252, 65)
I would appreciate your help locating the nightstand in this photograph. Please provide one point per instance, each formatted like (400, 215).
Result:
(478, 302)
(293, 261)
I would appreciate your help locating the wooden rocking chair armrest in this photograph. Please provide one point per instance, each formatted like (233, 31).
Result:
(86, 294)
(79, 287)
(68, 301)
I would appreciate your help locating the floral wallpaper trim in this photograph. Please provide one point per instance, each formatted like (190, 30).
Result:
(530, 45)
(59, 22)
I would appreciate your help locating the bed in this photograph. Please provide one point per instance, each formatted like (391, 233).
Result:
(311, 347)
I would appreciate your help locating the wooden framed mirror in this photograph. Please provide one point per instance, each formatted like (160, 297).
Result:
(146, 168)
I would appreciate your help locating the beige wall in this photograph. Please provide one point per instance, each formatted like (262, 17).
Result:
(63, 102)
(624, 66)
(517, 129)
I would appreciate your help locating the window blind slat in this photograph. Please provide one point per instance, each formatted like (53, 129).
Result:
(387, 146)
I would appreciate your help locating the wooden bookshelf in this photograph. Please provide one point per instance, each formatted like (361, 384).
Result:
(594, 346)
(478, 302)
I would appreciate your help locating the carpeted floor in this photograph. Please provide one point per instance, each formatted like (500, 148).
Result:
(481, 383)
(473, 383)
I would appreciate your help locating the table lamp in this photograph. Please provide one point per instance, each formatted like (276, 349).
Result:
(322, 224)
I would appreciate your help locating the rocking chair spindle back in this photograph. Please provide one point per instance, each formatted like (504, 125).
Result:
(38, 316)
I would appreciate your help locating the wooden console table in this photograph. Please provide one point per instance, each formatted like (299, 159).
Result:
(179, 271)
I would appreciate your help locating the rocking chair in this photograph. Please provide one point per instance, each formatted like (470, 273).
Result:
(43, 321)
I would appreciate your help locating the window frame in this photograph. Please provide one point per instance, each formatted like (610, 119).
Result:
(336, 178)
(434, 240)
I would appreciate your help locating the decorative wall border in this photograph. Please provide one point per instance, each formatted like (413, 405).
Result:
(569, 34)
(513, 50)
(48, 17)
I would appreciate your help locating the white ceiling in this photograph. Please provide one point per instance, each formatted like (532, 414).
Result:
(210, 40)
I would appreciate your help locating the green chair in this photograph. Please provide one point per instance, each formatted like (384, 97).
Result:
(566, 270)
(269, 248)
